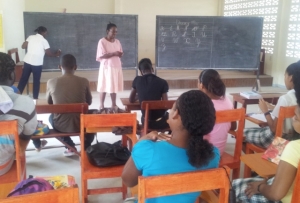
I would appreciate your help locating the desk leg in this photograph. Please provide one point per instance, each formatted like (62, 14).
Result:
(234, 104)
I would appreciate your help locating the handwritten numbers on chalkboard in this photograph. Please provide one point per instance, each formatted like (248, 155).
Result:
(175, 40)
(162, 28)
(187, 40)
(198, 42)
(163, 47)
(174, 34)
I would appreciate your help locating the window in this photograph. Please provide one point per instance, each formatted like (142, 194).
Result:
(293, 39)
(267, 9)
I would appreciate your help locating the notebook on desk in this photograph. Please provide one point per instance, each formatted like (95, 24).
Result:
(259, 116)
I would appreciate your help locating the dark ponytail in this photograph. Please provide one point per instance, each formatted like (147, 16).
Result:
(211, 80)
(294, 70)
(198, 118)
(40, 29)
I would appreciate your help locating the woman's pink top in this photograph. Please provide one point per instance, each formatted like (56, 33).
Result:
(218, 136)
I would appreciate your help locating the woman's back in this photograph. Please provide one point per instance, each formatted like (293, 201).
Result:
(159, 158)
(218, 136)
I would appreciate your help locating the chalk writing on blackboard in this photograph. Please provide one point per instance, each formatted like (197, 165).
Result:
(189, 33)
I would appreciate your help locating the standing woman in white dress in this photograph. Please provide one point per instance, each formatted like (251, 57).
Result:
(37, 46)
(110, 78)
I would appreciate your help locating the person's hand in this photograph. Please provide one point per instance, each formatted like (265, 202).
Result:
(58, 52)
(154, 136)
(118, 53)
(252, 188)
(263, 105)
(270, 106)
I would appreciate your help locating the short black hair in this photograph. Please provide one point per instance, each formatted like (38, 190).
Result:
(145, 64)
(7, 66)
(211, 80)
(68, 61)
(110, 25)
(40, 29)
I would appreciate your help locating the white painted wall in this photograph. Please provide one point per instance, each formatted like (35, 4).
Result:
(13, 25)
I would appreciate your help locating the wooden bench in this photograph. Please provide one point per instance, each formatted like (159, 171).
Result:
(18, 67)
(65, 195)
(81, 108)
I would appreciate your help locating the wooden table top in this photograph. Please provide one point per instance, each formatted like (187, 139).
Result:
(256, 121)
(264, 95)
(261, 166)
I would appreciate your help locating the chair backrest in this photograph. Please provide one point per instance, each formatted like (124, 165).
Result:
(154, 105)
(164, 185)
(231, 116)
(95, 121)
(14, 51)
(11, 128)
(66, 195)
(296, 193)
(284, 112)
(62, 108)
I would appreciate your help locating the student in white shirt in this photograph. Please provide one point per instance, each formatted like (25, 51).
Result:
(263, 137)
(36, 46)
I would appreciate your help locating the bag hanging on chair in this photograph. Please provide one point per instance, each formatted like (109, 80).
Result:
(104, 154)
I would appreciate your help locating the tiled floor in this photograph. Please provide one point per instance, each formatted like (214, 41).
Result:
(52, 162)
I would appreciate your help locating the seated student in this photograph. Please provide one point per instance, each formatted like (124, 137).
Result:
(150, 87)
(192, 117)
(263, 137)
(13, 107)
(211, 84)
(279, 188)
(69, 89)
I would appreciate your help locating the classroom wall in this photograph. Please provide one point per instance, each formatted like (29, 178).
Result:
(146, 11)
(13, 25)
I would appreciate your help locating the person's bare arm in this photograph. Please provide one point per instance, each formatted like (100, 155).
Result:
(264, 108)
(24, 45)
(109, 55)
(284, 178)
(51, 54)
(130, 173)
(164, 96)
(132, 96)
(233, 125)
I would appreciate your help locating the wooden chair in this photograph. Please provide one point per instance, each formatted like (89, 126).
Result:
(155, 105)
(66, 195)
(233, 162)
(284, 113)
(18, 67)
(296, 193)
(18, 169)
(60, 109)
(164, 185)
(88, 171)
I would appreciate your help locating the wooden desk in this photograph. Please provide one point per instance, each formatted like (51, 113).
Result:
(130, 106)
(261, 166)
(256, 121)
(271, 98)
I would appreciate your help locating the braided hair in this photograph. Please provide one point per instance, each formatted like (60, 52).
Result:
(145, 64)
(211, 80)
(198, 118)
(7, 67)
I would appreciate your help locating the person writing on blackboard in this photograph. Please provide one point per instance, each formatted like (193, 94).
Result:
(37, 46)
(110, 79)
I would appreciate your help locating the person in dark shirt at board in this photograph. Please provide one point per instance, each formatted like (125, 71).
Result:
(149, 87)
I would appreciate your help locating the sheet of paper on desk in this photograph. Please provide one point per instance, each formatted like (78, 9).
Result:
(259, 116)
